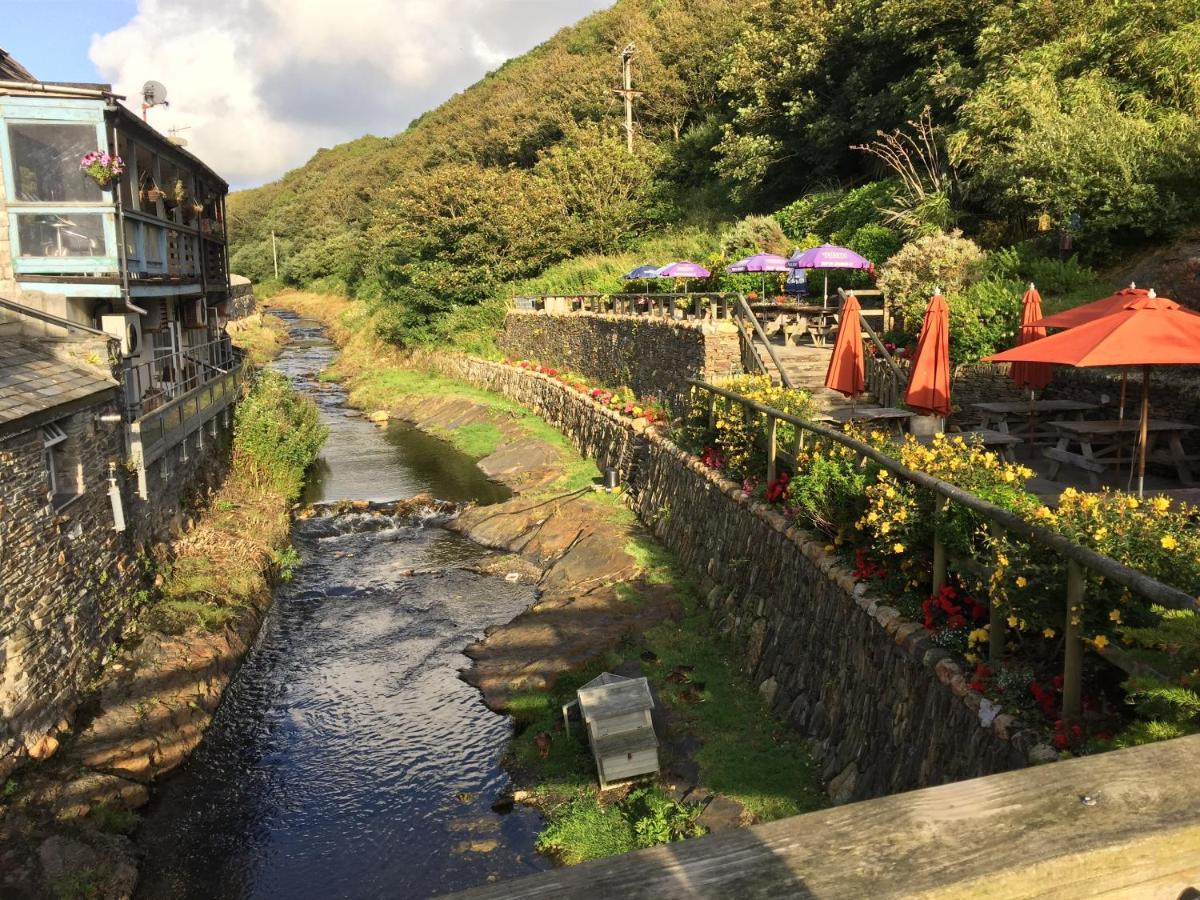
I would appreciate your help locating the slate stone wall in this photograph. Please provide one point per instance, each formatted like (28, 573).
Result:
(653, 356)
(241, 297)
(884, 710)
(69, 582)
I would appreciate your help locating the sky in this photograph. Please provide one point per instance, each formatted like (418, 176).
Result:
(257, 86)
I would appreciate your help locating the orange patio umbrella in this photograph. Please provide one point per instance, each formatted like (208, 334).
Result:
(1097, 309)
(1148, 331)
(929, 380)
(847, 368)
(1034, 376)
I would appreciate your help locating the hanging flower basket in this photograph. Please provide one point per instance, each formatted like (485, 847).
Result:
(153, 195)
(101, 166)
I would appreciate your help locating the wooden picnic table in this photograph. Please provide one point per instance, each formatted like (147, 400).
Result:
(889, 417)
(1107, 445)
(1000, 441)
(1026, 419)
(796, 320)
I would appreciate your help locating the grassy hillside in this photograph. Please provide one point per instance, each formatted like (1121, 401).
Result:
(1043, 119)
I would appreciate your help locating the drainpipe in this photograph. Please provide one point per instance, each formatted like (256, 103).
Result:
(121, 237)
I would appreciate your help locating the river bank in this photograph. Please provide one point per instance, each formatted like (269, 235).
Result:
(610, 598)
(66, 822)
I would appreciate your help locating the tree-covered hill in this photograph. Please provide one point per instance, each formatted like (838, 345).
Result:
(1044, 117)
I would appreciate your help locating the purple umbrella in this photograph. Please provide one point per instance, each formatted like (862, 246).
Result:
(759, 262)
(827, 256)
(684, 270)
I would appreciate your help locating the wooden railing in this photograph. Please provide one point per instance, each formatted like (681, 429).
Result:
(705, 305)
(1080, 560)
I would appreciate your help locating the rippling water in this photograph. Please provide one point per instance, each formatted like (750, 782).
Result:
(347, 758)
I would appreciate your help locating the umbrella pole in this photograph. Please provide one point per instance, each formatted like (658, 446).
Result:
(1144, 429)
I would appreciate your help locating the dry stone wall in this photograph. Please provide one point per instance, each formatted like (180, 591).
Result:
(69, 581)
(653, 356)
(885, 710)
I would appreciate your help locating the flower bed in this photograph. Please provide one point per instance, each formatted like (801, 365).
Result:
(887, 526)
(621, 400)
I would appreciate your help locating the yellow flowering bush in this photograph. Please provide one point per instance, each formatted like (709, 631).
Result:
(741, 440)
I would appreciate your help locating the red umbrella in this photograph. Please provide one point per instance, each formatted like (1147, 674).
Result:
(1030, 375)
(1147, 331)
(929, 380)
(847, 370)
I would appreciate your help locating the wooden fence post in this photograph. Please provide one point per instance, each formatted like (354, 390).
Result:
(772, 424)
(995, 615)
(939, 549)
(712, 410)
(1073, 643)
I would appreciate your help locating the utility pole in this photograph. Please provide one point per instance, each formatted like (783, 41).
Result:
(274, 254)
(627, 92)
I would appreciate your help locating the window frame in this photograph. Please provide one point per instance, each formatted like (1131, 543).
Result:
(47, 111)
(55, 441)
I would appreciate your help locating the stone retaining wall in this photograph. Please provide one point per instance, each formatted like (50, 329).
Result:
(241, 297)
(884, 709)
(653, 356)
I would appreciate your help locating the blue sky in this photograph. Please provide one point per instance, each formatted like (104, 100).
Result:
(51, 37)
(258, 86)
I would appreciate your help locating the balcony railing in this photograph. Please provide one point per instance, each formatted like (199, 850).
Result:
(152, 385)
(196, 401)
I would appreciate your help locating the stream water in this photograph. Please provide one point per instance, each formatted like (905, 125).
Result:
(347, 758)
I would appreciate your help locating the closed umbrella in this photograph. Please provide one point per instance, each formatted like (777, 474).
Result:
(1148, 331)
(847, 368)
(828, 256)
(929, 380)
(759, 262)
(1030, 375)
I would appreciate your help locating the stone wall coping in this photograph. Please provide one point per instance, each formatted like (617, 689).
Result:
(909, 635)
(705, 326)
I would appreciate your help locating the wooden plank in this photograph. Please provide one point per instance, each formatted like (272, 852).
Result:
(1073, 459)
(1018, 407)
(1094, 428)
(624, 742)
(1118, 824)
(615, 699)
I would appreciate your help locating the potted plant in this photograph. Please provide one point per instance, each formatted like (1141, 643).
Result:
(102, 166)
(751, 296)
(180, 191)
(152, 193)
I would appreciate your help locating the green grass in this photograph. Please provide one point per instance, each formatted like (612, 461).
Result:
(477, 439)
(746, 753)
(114, 819)
(176, 616)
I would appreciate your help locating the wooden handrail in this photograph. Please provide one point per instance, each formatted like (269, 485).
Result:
(1109, 568)
(745, 312)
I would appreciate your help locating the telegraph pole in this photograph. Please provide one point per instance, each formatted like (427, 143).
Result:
(274, 254)
(627, 92)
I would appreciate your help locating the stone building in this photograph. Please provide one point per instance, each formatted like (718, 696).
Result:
(117, 381)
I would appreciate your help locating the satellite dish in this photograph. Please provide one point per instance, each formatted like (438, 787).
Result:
(154, 93)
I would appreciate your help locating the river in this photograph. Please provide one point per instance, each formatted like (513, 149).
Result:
(347, 758)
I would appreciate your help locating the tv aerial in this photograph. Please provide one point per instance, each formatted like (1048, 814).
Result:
(154, 93)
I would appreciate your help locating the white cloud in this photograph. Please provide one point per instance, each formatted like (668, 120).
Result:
(261, 84)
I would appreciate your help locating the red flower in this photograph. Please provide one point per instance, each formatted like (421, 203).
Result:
(777, 490)
(977, 686)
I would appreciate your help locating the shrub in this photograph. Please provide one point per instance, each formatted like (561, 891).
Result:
(740, 438)
(277, 434)
(835, 215)
(754, 234)
(946, 262)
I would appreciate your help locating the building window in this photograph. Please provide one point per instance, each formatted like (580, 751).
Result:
(62, 468)
(51, 235)
(45, 159)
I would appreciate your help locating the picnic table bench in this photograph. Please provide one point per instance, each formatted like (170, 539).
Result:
(1107, 445)
(891, 418)
(1026, 419)
(1000, 441)
(795, 320)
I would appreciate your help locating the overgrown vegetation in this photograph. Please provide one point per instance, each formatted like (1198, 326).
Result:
(744, 752)
(224, 563)
(1029, 120)
(260, 335)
